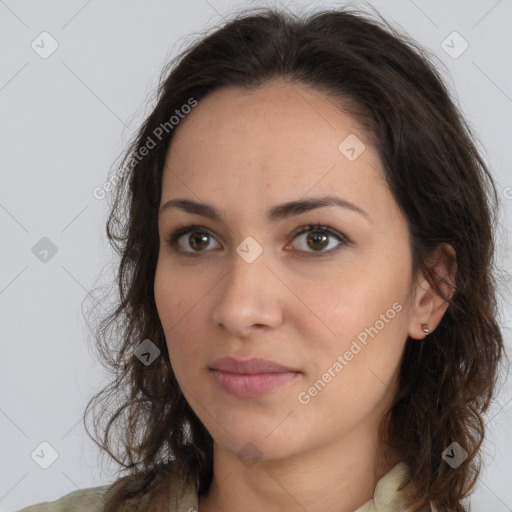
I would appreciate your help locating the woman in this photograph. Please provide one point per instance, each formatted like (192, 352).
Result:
(307, 315)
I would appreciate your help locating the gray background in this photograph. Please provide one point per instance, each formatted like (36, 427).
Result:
(64, 121)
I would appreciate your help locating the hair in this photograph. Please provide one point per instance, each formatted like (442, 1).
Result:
(385, 81)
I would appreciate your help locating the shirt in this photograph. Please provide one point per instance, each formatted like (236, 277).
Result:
(386, 497)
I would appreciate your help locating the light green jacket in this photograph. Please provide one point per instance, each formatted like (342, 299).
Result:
(386, 498)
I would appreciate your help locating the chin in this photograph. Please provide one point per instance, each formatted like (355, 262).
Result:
(257, 440)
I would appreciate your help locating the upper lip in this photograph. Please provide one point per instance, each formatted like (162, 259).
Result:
(249, 366)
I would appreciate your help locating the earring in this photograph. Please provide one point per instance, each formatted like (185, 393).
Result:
(425, 330)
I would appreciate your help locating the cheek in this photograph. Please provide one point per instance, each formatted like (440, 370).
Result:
(342, 305)
(367, 290)
(360, 314)
(175, 305)
(176, 296)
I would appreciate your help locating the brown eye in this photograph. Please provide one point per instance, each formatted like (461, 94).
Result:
(314, 244)
(318, 239)
(197, 240)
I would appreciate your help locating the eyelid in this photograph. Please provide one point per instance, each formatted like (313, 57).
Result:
(179, 232)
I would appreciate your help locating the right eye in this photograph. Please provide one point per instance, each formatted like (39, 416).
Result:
(199, 239)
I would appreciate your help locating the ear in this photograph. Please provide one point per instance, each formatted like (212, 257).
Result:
(428, 306)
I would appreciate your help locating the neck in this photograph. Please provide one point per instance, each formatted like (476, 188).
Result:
(339, 477)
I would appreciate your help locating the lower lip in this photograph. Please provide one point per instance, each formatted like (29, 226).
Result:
(247, 386)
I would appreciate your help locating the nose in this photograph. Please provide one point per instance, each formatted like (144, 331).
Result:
(251, 297)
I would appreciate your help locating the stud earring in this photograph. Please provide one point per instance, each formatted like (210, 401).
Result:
(425, 330)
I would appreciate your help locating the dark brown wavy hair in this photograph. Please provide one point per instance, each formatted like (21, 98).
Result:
(441, 183)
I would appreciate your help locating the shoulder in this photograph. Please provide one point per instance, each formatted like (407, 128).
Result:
(170, 492)
(82, 500)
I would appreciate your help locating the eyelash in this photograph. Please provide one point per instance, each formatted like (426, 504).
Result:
(325, 230)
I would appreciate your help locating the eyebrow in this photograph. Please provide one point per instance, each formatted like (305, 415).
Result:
(276, 213)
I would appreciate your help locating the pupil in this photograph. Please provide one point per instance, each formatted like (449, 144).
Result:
(203, 241)
(318, 239)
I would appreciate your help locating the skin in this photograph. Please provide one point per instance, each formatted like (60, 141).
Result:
(245, 152)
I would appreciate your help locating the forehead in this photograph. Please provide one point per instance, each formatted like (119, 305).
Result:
(267, 145)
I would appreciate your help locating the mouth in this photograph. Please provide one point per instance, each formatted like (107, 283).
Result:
(252, 377)
(253, 366)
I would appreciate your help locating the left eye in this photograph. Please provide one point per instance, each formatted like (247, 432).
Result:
(318, 238)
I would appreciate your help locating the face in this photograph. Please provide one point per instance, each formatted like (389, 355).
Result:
(332, 303)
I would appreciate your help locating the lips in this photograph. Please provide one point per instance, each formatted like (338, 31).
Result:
(250, 378)
(249, 366)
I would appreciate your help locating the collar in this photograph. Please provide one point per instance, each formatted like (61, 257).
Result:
(387, 497)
